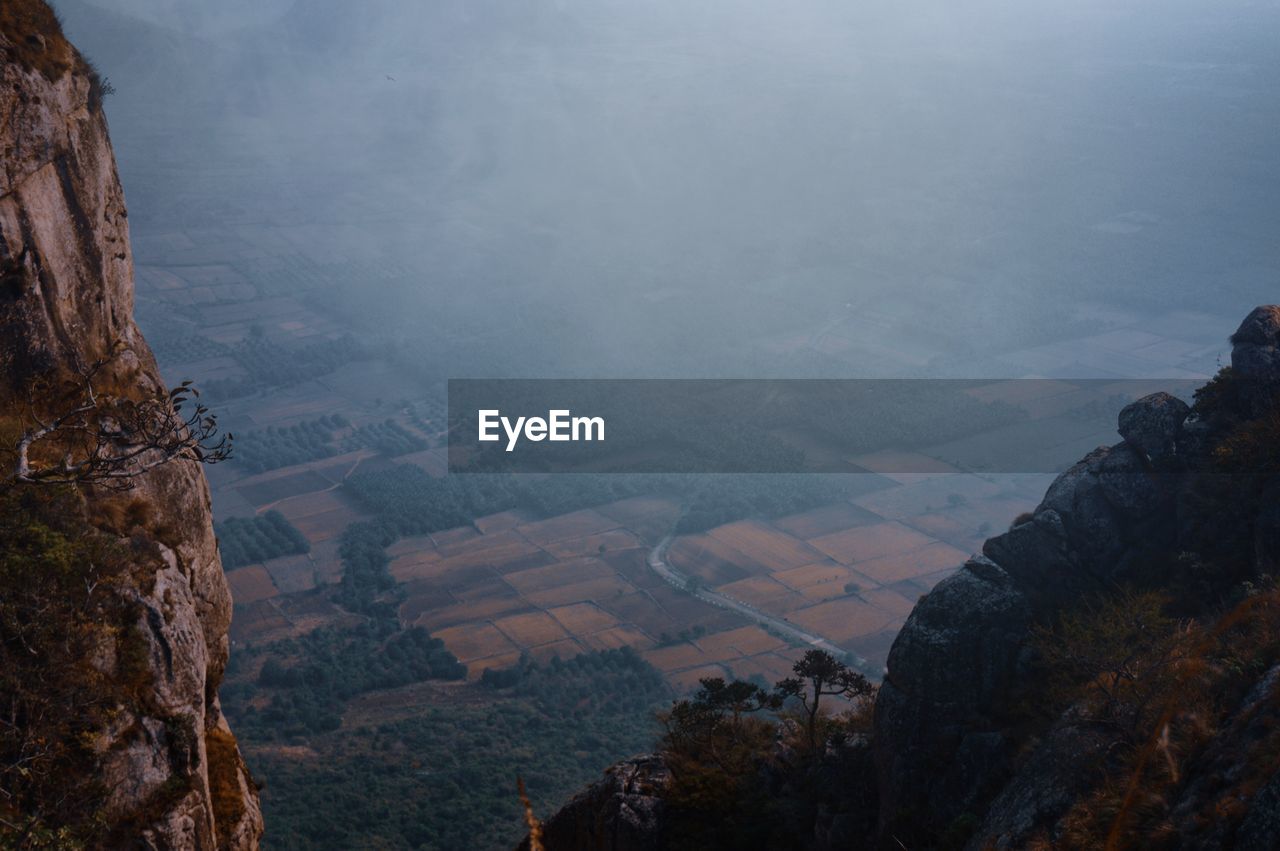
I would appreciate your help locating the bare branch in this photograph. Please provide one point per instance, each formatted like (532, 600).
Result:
(110, 440)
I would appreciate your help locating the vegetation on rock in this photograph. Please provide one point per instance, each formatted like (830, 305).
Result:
(754, 767)
(71, 664)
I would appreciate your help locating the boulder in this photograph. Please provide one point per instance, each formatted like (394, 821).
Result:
(940, 747)
(1255, 356)
(620, 812)
(1260, 328)
(1152, 424)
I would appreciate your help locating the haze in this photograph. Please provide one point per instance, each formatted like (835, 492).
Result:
(810, 187)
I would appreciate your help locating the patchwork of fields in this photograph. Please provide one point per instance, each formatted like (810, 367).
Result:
(510, 584)
(851, 572)
(224, 305)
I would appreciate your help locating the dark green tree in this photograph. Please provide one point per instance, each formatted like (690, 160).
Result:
(818, 674)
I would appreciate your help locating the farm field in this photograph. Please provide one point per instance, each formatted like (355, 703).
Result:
(514, 587)
(557, 587)
(513, 584)
(851, 572)
(221, 305)
(510, 584)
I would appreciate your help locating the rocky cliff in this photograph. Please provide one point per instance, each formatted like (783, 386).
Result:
(622, 812)
(165, 767)
(1133, 514)
(968, 750)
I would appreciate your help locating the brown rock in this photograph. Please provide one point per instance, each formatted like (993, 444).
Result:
(66, 298)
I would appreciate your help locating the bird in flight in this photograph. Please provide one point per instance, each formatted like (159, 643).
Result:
(391, 78)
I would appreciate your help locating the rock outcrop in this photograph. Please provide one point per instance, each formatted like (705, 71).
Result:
(1189, 499)
(1152, 424)
(621, 812)
(66, 302)
(1255, 354)
(1121, 515)
(940, 718)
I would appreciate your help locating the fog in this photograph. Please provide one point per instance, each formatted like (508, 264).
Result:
(666, 188)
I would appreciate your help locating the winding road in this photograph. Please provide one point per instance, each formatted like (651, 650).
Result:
(658, 564)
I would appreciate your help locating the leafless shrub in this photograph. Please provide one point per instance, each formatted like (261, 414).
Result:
(108, 440)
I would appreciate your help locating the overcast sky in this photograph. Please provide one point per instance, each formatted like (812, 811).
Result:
(714, 183)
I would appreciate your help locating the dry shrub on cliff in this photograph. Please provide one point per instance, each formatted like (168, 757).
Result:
(1208, 710)
(715, 783)
(1117, 660)
(1245, 415)
(79, 430)
(35, 37)
(531, 821)
(70, 660)
(715, 747)
(225, 770)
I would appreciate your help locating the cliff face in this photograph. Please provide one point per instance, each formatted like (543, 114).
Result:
(66, 302)
(967, 752)
(1128, 514)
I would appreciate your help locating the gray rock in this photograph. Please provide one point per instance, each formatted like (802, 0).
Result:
(1260, 830)
(1037, 555)
(1222, 767)
(1042, 791)
(1080, 533)
(1088, 516)
(1255, 356)
(939, 749)
(957, 653)
(1152, 424)
(621, 812)
(1133, 490)
(1260, 328)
